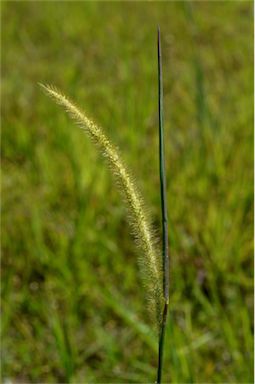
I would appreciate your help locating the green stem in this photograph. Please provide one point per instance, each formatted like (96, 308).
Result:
(161, 343)
(163, 194)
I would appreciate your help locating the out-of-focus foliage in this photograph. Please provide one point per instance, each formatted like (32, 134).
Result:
(73, 305)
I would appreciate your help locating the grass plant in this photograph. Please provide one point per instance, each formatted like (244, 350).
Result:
(155, 276)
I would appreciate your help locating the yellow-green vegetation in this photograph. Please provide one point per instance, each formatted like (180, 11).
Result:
(73, 302)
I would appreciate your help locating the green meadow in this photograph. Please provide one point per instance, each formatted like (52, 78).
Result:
(72, 298)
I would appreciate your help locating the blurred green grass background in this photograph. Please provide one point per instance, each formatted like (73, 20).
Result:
(73, 306)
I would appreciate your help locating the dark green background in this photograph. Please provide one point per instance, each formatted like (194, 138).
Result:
(73, 306)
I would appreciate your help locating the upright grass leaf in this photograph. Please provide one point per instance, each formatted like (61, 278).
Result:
(149, 260)
(165, 257)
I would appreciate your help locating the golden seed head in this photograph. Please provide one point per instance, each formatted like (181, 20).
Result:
(150, 261)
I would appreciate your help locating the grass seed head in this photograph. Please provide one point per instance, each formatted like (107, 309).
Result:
(149, 258)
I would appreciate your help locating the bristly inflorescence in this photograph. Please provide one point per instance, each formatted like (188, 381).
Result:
(149, 260)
